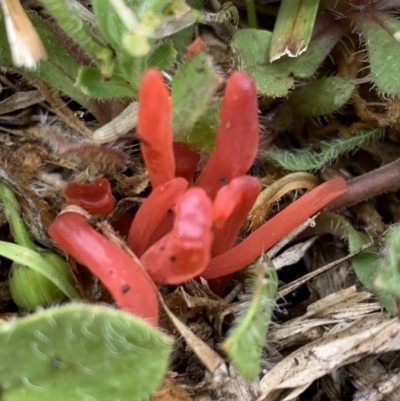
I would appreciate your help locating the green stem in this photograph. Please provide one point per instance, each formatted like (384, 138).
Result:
(12, 212)
(251, 14)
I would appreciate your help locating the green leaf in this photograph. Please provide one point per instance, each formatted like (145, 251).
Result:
(381, 33)
(162, 56)
(293, 28)
(81, 352)
(37, 262)
(247, 340)
(251, 48)
(366, 263)
(183, 38)
(202, 136)
(181, 41)
(74, 26)
(91, 83)
(30, 289)
(321, 97)
(109, 22)
(327, 152)
(60, 71)
(133, 68)
(388, 277)
(192, 89)
(12, 212)
(325, 36)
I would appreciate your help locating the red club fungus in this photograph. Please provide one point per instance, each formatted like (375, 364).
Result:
(96, 197)
(275, 229)
(231, 207)
(185, 251)
(237, 136)
(178, 230)
(122, 276)
(154, 128)
(145, 228)
(186, 161)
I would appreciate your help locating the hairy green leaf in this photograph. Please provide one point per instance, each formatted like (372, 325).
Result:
(192, 88)
(162, 56)
(247, 340)
(81, 352)
(365, 263)
(251, 49)
(74, 26)
(381, 34)
(109, 22)
(319, 155)
(60, 71)
(202, 135)
(321, 97)
(388, 277)
(92, 83)
(325, 36)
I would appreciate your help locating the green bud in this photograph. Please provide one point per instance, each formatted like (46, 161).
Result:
(30, 289)
(106, 56)
(136, 45)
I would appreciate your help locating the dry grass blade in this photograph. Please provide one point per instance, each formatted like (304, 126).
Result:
(293, 234)
(208, 357)
(345, 305)
(293, 254)
(20, 100)
(293, 28)
(288, 288)
(118, 127)
(274, 192)
(58, 105)
(372, 334)
(170, 390)
(384, 388)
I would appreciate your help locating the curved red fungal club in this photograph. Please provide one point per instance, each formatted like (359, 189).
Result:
(149, 219)
(232, 204)
(96, 197)
(186, 161)
(125, 279)
(194, 48)
(184, 252)
(237, 137)
(275, 229)
(154, 128)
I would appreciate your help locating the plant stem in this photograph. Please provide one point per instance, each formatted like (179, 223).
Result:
(251, 14)
(11, 210)
(376, 182)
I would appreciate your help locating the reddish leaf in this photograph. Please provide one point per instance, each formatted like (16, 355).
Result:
(154, 128)
(237, 137)
(121, 275)
(275, 229)
(184, 252)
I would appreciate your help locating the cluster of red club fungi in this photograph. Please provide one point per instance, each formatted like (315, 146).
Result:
(183, 229)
